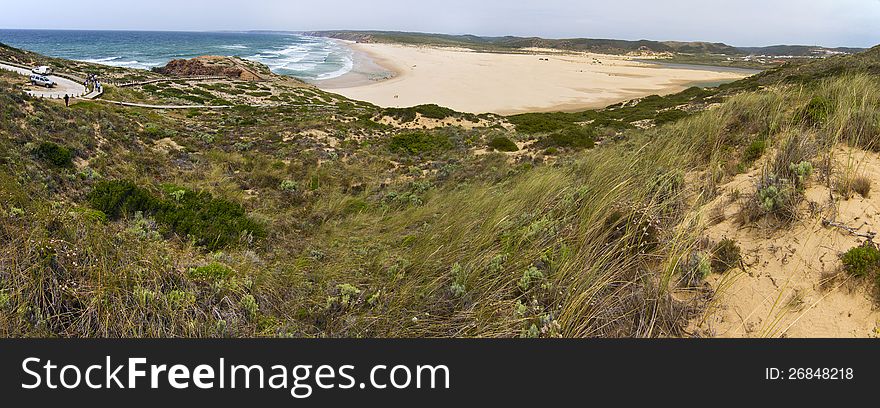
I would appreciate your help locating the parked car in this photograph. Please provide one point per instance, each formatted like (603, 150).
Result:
(42, 80)
(42, 70)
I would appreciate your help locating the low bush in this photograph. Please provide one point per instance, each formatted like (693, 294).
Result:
(431, 111)
(726, 255)
(574, 137)
(773, 196)
(210, 222)
(155, 131)
(862, 261)
(695, 269)
(54, 154)
(754, 151)
(801, 171)
(211, 272)
(119, 198)
(529, 278)
(503, 144)
(540, 122)
(419, 143)
(213, 223)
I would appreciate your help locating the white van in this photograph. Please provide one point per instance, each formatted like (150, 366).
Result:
(42, 70)
(42, 80)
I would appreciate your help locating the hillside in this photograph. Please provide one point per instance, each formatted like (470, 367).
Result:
(299, 213)
(578, 44)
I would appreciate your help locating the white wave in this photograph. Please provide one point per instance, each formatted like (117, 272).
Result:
(347, 67)
(99, 60)
(115, 62)
(309, 58)
(234, 47)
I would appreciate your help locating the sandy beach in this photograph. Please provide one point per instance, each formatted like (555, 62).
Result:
(538, 80)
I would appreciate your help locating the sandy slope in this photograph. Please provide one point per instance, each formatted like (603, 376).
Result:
(793, 285)
(542, 80)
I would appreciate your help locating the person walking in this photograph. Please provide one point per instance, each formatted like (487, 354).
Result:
(67, 100)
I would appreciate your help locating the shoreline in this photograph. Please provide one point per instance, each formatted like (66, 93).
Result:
(536, 80)
(368, 68)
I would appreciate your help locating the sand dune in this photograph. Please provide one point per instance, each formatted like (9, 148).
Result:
(540, 80)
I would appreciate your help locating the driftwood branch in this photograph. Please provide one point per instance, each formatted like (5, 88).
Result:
(854, 231)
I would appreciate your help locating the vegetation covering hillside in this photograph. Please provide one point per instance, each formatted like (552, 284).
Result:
(576, 44)
(317, 216)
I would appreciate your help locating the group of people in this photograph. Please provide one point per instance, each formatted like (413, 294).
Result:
(92, 82)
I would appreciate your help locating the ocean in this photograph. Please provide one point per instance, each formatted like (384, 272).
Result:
(303, 57)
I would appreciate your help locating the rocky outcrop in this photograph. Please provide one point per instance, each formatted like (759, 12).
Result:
(209, 66)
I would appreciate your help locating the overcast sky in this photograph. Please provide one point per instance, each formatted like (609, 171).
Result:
(736, 22)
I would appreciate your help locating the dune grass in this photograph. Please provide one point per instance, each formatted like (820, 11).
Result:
(392, 233)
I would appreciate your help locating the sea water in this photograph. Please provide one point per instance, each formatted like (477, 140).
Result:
(300, 56)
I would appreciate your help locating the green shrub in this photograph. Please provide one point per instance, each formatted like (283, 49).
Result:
(434, 111)
(574, 137)
(772, 198)
(179, 299)
(861, 261)
(431, 111)
(754, 151)
(503, 144)
(288, 186)
(91, 214)
(54, 154)
(348, 294)
(802, 172)
(696, 268)
(211, 272)
(544, 122)
(212, 223)
(529, 278)
(119, 198)
(726, 256)
(419, 143)
(155, 131)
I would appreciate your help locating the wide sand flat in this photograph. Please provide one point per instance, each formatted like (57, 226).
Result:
(541, 80)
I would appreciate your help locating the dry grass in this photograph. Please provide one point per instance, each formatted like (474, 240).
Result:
(604, 243)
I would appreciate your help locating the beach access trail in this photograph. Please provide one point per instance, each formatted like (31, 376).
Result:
(64, 85)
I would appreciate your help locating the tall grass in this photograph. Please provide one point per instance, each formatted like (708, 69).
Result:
(602, 243)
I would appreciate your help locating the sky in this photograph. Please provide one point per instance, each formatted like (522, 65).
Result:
(739, 22)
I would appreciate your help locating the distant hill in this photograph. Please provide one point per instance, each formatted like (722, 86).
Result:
(607, 46)
(866, 62)
(798, 50)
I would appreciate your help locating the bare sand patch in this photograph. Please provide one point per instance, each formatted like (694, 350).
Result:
(533, 81)
(793, 284)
